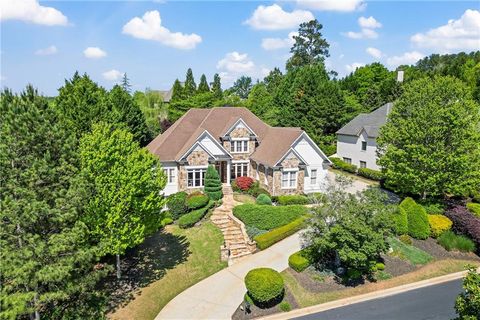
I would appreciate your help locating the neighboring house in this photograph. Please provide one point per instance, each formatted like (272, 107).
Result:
(356, 141)
(237, 143)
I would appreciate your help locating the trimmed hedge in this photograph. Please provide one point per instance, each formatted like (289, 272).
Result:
(264, 286)
(298, 261)
(263, 199)
(342, 165)
(474, 208)
(370, 174)
(465, 222)
(176, 204)
(267, 239)
(438, 224)
(197, 201)
(418, 226)
(450, 241)
(267, 217)
(213, 184)
(292, 199)
(401, 221)
(188, 220)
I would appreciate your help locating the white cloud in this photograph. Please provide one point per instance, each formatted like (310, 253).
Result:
(461, 34)
(236, 62)
(112, 75)
(275, 18)
(333, 5)
(46, 51)
(406, 58)
(31, 11)
(94, 53)
(374, 52)
(369, 22)
(354, 66)
(149, 27)
(363, 34)
(278, 43)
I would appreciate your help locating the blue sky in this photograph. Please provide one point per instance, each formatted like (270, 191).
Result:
(155, 42)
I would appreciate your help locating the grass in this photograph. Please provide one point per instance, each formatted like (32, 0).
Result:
(307, 298)
(202, 246)
(355, 177)
(410, 253)
(243, 198)
(450, 241)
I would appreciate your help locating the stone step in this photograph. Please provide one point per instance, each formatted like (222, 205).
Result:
(220, 220)
(238, 246)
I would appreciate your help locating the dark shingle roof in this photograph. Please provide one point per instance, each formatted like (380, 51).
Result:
(370, 122)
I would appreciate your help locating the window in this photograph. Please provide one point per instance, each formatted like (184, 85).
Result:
(239, 169)
(364, 145)
(313, 176)
(289, 179)
(363, 164)
(239, 146)
(347, 160)
(170, 173)
(195, 177)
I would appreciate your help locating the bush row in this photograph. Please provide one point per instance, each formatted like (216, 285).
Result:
(299, 261)
(370, 174)
(196, 200)
(249, 186)
(342, 165)
(286, 200)
(465, 222)
(267, 239)
(188, 220)
(364, 172)
(267, 217)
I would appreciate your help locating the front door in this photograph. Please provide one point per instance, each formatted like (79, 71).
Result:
(221, 167)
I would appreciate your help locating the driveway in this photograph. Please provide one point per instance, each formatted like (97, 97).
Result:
(434, 302)
(218, 296)
(357, 185)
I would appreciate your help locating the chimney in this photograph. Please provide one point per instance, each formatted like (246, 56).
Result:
(400, 76)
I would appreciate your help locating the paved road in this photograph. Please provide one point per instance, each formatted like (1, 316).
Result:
(428, 303)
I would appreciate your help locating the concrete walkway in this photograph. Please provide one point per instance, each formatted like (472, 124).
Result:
(218, 296)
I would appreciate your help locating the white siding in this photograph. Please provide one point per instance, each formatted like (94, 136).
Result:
(351, 147)
(171, 187)
(314, 160)
(211, 146)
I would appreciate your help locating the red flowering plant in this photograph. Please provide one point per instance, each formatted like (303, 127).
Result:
(244, 183)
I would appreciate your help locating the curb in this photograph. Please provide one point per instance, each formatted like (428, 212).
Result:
(364, 297)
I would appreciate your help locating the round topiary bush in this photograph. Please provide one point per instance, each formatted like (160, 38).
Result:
(265, 286)
(197, 200)
(264, 199)
(176, 204)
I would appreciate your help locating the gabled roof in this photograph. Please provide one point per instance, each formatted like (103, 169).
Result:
(370, 122)
(182, 135)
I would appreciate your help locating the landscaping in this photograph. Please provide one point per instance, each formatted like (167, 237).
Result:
(370, 174)
(189, 209)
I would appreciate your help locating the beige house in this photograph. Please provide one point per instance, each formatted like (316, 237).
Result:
(237, 143)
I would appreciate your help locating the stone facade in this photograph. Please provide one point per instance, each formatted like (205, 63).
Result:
(198, 158)
(290, 162)
(277, 183)
(240, 133)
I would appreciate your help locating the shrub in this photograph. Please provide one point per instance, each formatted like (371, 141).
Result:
(254, 187)
(197, 201)
(292, 199)
(298, 261)
(213, 184)
(263, 199)
(464, 222)
(166, 221)
(418, 226)
(342, 165)
(433, 207)
(400, 221)
(380, 266)
(475, 196)
(370, 174)
(285, 306)
(188, 220)
(450, 241)
(252, 232)
(474, 208)
(235, 187)
(267, 239)
(438, 224)
(267, 217)
(264, 286)
(244, 183)
(176, 204)
(405, 238)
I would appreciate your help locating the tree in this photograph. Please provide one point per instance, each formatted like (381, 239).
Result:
(130, 114)
(203, 86)
(260, 102)
(48, 263)
(152, 106)
(467, 304)
(217, 87)
(178, 92)
(126, 83)
(190, 87)
(309, 47)
(430, 144)
(242, 86)
(213, 184)
(273, 80)
(123, 183)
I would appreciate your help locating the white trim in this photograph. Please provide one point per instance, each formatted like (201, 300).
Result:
(234, 145)
(239, 165)
(196, 167)
(197, 142)
(286, 154)
(203, 172)
(289, 169)
(236, 123)
(215, 141)
(240, 161)
(305, 135)
(289, 179)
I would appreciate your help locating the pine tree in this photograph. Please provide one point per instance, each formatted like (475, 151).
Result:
(47, 259)
(203, 86)
(213, 184)
(126, 83)
(190, 86)
(217, 87)
(125, 182)
(178, 92)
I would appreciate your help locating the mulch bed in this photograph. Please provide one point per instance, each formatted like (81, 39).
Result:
(309, 280)
(431, 246)
(256, 312)
(396, 266)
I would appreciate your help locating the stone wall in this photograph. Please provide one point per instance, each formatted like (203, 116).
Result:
(240, 133)
(277, 183)
(198, 158)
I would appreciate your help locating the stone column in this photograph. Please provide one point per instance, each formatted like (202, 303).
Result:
(228, 172)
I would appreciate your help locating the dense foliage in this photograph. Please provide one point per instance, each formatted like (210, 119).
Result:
(190, 219)
(418, 226)
(263, 199)
(177, 205)
(464, 222)
(271, 237)
(474, 208)
(467, 304)
(450, 241)
(213, 184)
(267, 217)
(299, 261)
(370, 174)
(243, 183)
(342, 165)
(264, 285)
(286, 200)
(400, 219)
(196, 200)
(438, 224)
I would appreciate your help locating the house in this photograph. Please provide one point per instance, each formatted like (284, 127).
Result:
(238, 143)
(356, 141)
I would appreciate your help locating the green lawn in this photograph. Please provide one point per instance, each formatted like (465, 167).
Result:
(198, 259)
(410, 253)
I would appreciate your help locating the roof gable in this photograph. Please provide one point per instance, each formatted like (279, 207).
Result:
(370, 122)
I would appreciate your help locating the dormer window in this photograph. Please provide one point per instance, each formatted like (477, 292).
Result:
(239, 146)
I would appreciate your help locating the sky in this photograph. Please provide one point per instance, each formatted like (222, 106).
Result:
(154, 42)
